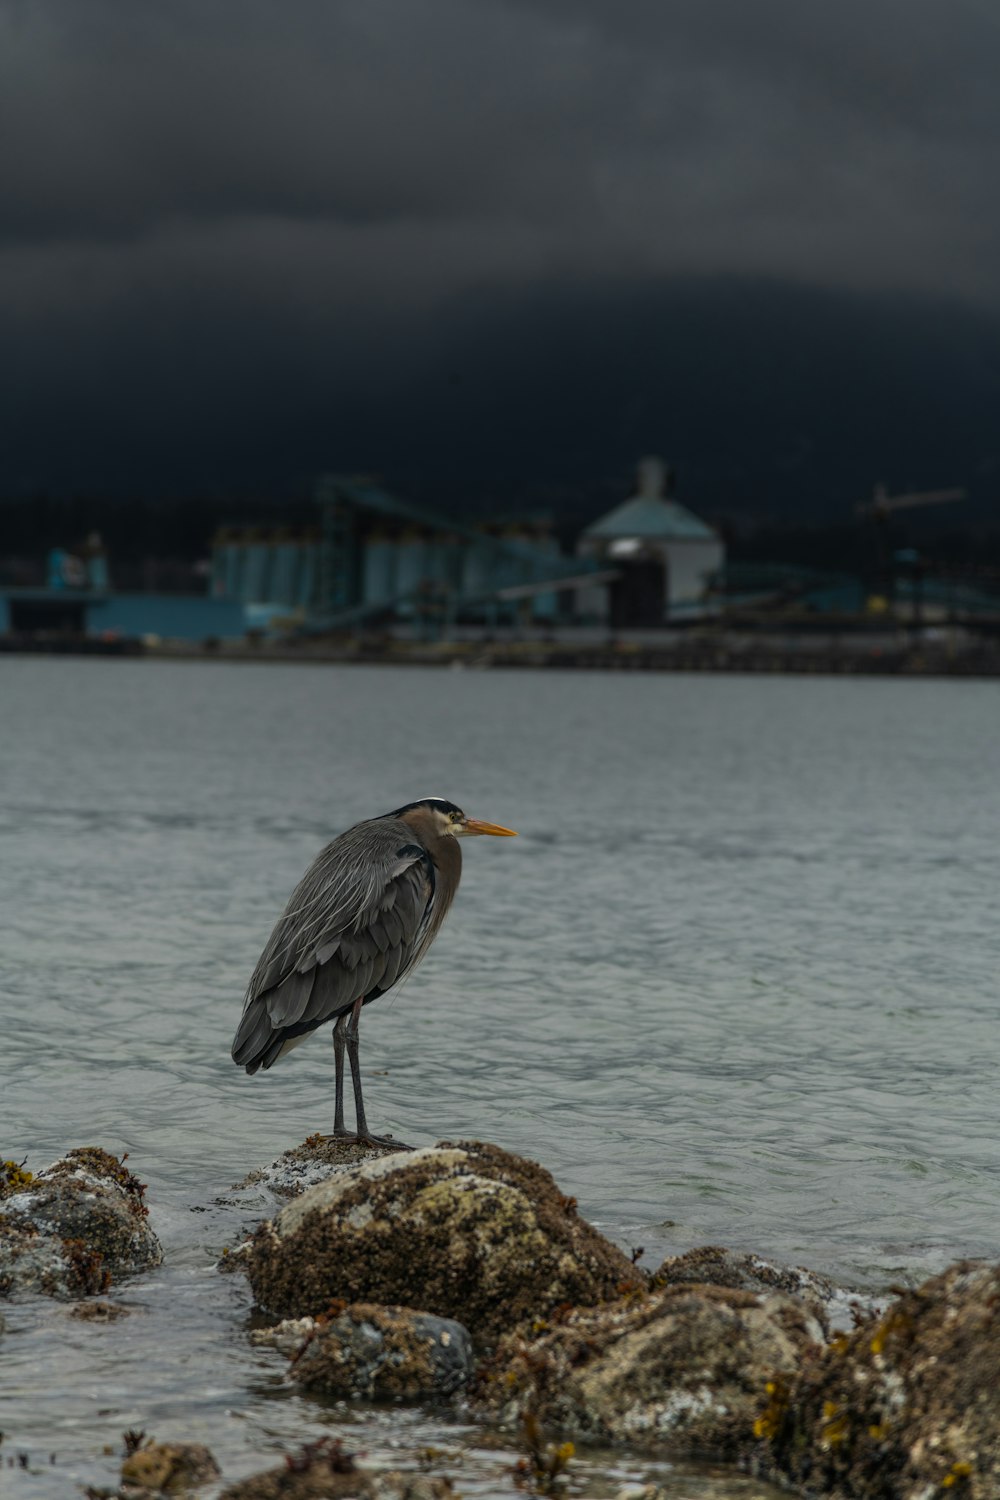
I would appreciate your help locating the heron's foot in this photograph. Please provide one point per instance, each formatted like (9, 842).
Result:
(366, 1138)
(386, 1140)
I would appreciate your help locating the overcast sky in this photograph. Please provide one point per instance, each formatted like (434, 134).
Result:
(220, 185)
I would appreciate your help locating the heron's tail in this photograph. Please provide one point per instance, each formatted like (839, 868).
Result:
(256, 1043)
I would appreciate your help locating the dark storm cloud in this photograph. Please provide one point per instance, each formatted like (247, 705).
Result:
(303, 229)
(455, 141)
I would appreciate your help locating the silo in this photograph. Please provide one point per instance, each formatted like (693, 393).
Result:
(410, 568)
(478, 567)
(227, 565)
(286, 556)
(379, 568)
(545, 606)
(256, 569)
(309, 551)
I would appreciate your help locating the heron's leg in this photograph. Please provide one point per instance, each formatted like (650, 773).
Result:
(353, 1045)
(338, 1064)
(352, 1037)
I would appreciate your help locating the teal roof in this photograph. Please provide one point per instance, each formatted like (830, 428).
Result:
(648, 516)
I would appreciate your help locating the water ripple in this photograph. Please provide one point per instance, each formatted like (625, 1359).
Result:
(736, 981)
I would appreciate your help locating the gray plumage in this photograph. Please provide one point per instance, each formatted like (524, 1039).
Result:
(361, 918)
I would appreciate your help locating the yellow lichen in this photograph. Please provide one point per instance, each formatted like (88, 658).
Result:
(956, 1474)
(13, 1177)
(769, 1421)
(544, 1467)
(835, 1424)
(895, 1321)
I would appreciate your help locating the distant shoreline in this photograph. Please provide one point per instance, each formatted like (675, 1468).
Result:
(792, 656)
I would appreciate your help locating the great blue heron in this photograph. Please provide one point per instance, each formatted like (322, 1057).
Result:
(361, 917)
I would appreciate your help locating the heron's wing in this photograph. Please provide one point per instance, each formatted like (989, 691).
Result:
(353, 924)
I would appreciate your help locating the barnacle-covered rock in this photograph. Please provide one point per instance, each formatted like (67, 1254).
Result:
(74, 1228)
(685, 1368)
(906, 1407)
(713, 1265)
(463, 1231)
(378, 1353)
(314, 1160)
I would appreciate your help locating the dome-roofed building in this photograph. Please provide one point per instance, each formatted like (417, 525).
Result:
(664, 554)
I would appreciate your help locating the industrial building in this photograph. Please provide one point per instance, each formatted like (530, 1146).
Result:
(377, 563)
(663, 556)
(377, 560)
(77, 600)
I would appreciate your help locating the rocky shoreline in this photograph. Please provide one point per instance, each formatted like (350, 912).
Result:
(461, 1274)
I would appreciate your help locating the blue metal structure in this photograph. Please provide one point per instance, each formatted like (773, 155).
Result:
(383, 555)
(91, 613)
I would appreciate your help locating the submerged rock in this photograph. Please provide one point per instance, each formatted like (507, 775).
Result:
(464, 1231)
(400, 1485)
(167, 1469)
(378, 1353)
(685, 1367)
(906, 1408)
(325, 1471)
(99, 1312)
(319, 1471)
(73, 1229)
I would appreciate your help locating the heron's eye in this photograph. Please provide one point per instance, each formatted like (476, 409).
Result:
(456, 817)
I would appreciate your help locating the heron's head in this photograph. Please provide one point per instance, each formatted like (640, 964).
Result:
(446, 818)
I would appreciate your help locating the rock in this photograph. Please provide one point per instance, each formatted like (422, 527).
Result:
(685, 1368)
(379, 1353)
(99, 1312)
(287, 1337)
(906, 1407)
(313, 1161)
(397, 1485)
(320, 1471)
(711, 1265)
(464, 1231)
(75, 1228)
(167, 1469)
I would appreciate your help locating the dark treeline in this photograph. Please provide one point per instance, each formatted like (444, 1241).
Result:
(160, 543)
(155, 545)
(132, 529)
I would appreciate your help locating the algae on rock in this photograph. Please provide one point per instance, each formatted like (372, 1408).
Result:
(905, 1408)
(319, 1471)
(314, 1160)
(376, 1353)
(74, 1228)
(167, 1469)
(685, 1368)
(465, 1231)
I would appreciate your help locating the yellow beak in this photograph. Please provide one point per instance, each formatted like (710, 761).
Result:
(474, 825)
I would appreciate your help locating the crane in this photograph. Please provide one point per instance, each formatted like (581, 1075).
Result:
(879, 510)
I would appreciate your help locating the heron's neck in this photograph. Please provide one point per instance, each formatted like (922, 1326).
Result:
(446, 852)
(443, 849)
